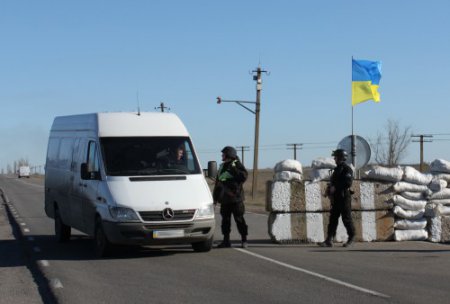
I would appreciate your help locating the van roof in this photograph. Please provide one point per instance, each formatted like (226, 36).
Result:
(120, 124)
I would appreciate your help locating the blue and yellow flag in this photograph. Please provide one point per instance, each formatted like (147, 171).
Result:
(366, 77)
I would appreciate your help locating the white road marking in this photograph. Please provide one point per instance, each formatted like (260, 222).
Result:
(26, 230)
(315, 274)
(44, 263)
(23, 224)
(55, 283)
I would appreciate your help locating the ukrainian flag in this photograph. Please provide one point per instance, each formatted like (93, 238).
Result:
(366, 77)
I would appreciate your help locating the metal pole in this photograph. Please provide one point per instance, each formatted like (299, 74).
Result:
(353, 149)
(257, 110)
(421, 153)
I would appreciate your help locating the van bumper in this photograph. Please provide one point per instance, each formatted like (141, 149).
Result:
(159, 233)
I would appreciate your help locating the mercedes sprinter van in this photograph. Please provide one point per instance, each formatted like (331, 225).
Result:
(127, 178)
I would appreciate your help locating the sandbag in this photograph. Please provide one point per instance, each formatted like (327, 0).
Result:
(414, 176)
(406, 224)
(289, 165)
(405, 186)
(437, 184)
(442, 210)
(414, 195)
(316, 175)
(443, 176)
(323, 163)
(411, 235)
(440, 165)
(443, 194)
(385, 174)
(408, 204)
(285, 176)
(445, 201)
(409, 214)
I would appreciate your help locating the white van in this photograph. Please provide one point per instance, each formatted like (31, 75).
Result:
(24, 171)
(116, 176)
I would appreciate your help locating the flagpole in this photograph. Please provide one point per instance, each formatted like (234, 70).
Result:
(353, 149)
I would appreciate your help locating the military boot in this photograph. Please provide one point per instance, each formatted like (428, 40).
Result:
(225, 243)
(349, 242)
(327, 243)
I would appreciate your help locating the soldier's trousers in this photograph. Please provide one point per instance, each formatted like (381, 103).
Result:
(341, 207)
(237, 210)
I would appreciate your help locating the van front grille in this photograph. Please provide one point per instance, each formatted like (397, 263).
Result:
(157, 216)
(170, 226)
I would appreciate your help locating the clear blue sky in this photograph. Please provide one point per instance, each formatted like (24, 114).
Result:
(70, 57)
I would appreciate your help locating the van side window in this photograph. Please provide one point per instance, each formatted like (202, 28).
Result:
(52, 154)
(65, 153)
(92, 161)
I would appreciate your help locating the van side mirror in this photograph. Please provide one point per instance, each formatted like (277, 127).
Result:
(85, 174)
(212, 169)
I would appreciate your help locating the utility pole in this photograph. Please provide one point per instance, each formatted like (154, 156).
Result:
(294, 147)
(243, 148)
(422, 140)
(258, 79)
(162, 107)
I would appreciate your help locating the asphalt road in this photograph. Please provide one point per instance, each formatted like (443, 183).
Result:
(394, 272)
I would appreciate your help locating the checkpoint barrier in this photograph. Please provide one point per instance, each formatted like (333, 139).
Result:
(299, 196)
(311, 227)
(400, 204)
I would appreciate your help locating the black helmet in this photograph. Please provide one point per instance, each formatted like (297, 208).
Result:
(340, 154)
(229, 152)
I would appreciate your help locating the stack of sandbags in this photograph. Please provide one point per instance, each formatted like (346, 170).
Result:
(410, 200)
(321, 169)
(410, 203)
(439, 202)
(299, 211)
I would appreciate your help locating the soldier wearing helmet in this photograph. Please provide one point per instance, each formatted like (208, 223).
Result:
(340, 197)
(229, 192)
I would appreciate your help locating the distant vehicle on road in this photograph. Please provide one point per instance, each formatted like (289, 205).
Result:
(24, 171)
(127, 178)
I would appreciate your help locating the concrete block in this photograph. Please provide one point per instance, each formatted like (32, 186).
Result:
(297, 196)
(311, 227)
(439, 229)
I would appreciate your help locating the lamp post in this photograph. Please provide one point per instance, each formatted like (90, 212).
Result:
(257, 78)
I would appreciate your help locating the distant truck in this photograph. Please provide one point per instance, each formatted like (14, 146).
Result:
(110, 176)
(24, 171)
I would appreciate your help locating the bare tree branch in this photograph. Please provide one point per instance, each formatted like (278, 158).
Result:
(391, 150)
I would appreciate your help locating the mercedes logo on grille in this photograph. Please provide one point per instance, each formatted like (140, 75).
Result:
(168, 214)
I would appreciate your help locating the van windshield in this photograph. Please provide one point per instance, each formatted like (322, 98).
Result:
(133, 156)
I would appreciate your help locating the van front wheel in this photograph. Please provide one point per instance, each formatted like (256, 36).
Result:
(102, 245)
(204, 246)
(62, 231)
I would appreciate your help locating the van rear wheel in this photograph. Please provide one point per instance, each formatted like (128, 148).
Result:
(62, 231)
(102, 246)
(204, 246)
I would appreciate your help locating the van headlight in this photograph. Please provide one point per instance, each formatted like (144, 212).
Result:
(207, 211)
(123, 214)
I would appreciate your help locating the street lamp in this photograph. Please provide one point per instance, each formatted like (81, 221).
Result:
(257, 103)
